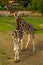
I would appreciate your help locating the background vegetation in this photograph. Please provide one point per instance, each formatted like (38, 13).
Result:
(34, 5)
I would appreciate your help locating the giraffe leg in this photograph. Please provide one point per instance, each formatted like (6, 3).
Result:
(28, 41)
(33, 44)
(18, 40)
(21, 44)
(16, 56)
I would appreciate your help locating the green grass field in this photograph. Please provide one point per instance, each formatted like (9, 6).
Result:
(7, 23)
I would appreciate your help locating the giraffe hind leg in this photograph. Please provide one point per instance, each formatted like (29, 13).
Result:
(27, 41)
(33, 45)
(33, 41)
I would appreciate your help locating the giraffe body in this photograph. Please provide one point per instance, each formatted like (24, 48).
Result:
(27, 28)
(22, 27)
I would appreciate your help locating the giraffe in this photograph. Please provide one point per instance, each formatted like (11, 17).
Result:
(22, 27)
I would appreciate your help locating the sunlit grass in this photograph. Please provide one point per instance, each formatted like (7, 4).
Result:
(7, 23)
(35, 21)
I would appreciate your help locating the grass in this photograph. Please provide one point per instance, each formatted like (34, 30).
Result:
(35, 21)
(7, 23)
(3, 58)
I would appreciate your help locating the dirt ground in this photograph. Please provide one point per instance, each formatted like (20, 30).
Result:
(26, 57)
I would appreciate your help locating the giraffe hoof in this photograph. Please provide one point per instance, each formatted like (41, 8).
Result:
(22, 50)
(26, 48)
(17, 61)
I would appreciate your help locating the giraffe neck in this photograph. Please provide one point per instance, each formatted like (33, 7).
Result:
(17, 21)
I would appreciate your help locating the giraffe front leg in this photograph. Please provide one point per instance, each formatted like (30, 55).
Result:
(28, 41)
(21, 44)
(18, 40)
(17, 56)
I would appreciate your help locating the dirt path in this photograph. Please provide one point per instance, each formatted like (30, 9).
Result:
(27, 56)
(30, 13)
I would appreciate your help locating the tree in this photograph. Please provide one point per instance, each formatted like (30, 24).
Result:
(35, 4)
(24, 2)
(3, 3)
(40, 6)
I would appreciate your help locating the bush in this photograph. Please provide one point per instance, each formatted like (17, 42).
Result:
(3, 8)
(40, 6)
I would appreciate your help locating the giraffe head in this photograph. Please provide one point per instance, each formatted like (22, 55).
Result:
(17, 14)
